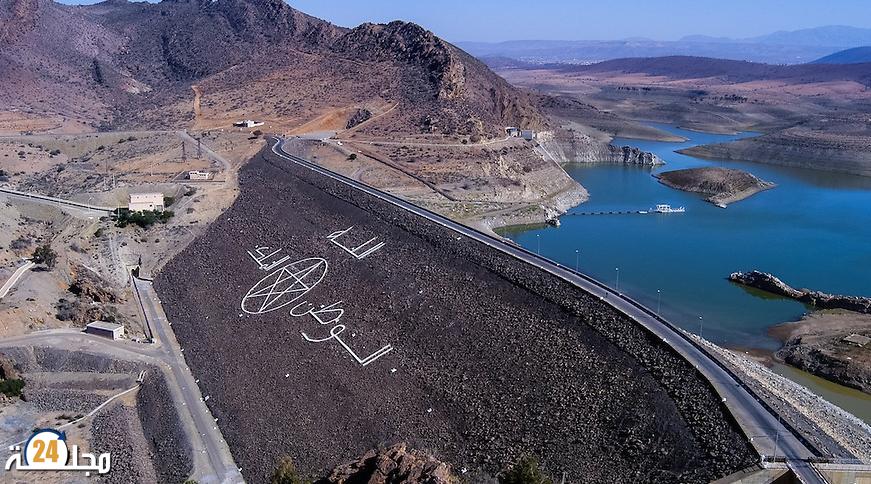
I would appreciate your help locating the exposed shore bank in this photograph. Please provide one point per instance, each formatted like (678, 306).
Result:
(828, 344)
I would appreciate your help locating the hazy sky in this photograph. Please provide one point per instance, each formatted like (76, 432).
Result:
(494, 20)
(490, 20)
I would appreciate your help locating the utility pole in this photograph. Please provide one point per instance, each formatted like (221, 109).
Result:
(577, 260)
(538, 238)
(199, 148)
(617, 287)
(701, 324)
(184, 155)
(658, 301)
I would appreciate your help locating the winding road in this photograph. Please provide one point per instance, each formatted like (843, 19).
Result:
(13, 279)
(213, 462)
(769, 435)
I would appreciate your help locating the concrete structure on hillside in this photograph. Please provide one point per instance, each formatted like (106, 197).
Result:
(858, 340)
(247, 123)
(198, 175)
(512, 131)
(528, 134)
(106, 330)
(146, 201)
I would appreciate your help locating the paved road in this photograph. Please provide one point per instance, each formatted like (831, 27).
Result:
(85, 208)
(754, 418)
(217, 464)
(13, 279)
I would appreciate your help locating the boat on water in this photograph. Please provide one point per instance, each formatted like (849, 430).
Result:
(666, 208)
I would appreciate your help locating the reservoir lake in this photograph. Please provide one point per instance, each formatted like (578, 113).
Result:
(813, 231)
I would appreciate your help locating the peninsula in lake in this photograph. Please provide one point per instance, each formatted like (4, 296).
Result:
(723, 185)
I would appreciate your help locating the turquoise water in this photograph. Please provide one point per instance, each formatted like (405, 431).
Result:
(813, 230)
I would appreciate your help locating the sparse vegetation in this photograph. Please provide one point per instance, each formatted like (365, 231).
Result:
(286, 473)
(20, 243)
(525, 471)
(45, 255)
(12, 388)
(143, 219)
(352, 156)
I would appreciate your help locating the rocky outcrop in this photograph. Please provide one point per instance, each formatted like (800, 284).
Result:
(359, 116)
(724, 185)
(393, 465)
(821, 300)
(630, 155)
(568, 146)
(7, 369)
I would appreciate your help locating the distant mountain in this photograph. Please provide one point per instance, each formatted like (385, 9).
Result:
(831, 35)
(856, 55)
(591, 51)
(827, 36)
(729, 71)
(120, 64)
(785, 47)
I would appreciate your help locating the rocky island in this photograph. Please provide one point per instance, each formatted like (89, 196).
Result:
(820, 300)
(723, 185)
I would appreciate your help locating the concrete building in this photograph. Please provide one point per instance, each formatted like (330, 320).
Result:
(247, 123)
(527, 134)
(146, 201)
(198, 175)
(104, 329)
(858, 340)
(512, 131)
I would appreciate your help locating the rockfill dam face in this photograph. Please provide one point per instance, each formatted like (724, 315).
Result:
(323, 322)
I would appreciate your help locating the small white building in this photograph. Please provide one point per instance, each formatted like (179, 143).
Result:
(146, 201)
(247, 123)
(106, 330)
(198, 175)
(512, 131)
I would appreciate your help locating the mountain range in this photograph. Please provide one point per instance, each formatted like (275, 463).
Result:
(120, 64)
(785, 47)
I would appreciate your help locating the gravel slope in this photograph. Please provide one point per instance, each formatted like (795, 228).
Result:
(486, 367)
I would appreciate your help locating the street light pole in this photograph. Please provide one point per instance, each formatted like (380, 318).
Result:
(617, 269)
(701, 325)
(577, 260)
(538, 239)
(658, 301)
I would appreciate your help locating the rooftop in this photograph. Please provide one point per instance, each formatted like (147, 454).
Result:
(104, 325)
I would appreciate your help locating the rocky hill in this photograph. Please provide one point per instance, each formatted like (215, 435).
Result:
(118, 64)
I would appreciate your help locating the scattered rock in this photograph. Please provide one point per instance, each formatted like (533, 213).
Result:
(393, 465)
